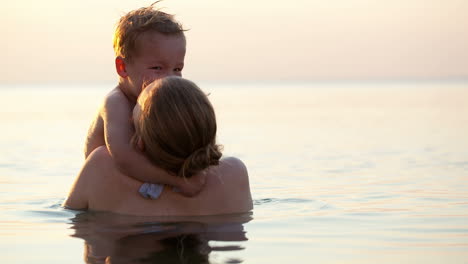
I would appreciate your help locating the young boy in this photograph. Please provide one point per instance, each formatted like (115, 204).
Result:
(149, 44)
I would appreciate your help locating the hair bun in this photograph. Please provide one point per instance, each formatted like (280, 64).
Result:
(201, 159)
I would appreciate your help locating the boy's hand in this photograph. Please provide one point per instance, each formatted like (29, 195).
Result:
(192, 186)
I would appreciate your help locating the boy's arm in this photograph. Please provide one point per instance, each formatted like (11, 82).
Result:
(118, 130)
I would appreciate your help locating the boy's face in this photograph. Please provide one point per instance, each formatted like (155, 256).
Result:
(157, 56)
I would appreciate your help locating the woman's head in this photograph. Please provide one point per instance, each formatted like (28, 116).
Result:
(176, 123)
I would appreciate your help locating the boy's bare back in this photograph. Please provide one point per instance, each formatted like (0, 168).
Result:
(95, 136)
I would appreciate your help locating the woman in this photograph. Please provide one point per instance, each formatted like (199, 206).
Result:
(175, 127)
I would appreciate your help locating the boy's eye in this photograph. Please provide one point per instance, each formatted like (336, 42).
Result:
(156, 68)
(178, 69)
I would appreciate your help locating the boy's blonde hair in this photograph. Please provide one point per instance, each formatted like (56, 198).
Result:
(177, 124)
(137, 22)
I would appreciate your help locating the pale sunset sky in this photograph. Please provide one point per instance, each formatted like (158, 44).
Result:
(242, 40)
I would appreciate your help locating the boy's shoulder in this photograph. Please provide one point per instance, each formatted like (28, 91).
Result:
(116, 98)
(116, 94)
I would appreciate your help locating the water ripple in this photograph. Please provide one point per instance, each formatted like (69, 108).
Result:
(276, 200)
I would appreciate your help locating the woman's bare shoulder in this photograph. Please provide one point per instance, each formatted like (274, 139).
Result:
(228, 186)
(107, 185)
(234, 164)
(82, 190)
(230, 169)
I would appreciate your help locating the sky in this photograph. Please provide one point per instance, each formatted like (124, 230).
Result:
(243, 40)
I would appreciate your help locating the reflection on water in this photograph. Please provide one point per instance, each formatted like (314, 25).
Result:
(112, 238)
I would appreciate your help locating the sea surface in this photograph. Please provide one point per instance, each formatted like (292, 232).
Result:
(362, 172)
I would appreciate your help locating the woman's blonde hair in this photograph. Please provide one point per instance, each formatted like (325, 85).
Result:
(177, 124)
(136, 23)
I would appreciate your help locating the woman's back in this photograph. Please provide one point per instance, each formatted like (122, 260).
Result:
(226, 191)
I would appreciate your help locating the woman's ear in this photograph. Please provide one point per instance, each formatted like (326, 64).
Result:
(120, 67)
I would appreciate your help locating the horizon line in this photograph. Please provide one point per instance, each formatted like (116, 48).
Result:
(461, 79)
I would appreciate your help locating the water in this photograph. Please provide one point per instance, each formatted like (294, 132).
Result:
(340, 173)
